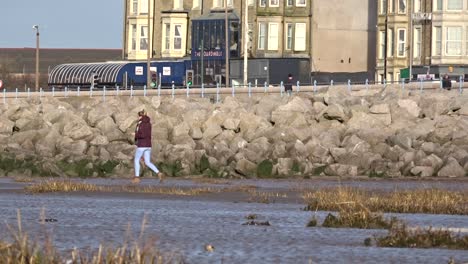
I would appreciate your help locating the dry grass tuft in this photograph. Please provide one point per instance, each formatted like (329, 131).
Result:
(402, 237)
(74, 186)
(430, 201)
(23, 179)
(264, 197)
(23, 250)
(357, 216)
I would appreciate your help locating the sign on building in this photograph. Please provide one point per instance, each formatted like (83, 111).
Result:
(138, 70)
(166, 71)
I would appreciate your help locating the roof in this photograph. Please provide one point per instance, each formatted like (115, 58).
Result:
(82, 73)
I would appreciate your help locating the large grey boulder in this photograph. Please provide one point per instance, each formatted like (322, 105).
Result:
(76, 129)
(211, 131)
(431, 161)
(98, 113)
(46, 146)
(265, 106)
(334, 112)
(342, 170)
(109, 128)
(410, 106)
(380, 109)
(69, 147)
(284, 166)
(452, 169)
(6, 126)
(361, 120)
(422, 171)
(181, 129)
(246, 168)
(231, 124)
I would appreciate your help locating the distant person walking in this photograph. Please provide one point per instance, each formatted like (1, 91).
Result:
(143, 142)
(446, 82)
(289, 84)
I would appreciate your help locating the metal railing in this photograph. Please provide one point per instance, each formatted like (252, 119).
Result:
(217, 91)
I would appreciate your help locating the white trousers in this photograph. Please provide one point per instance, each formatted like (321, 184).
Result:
(146, 153)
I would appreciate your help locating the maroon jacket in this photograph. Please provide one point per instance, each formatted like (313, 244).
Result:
(143, 133)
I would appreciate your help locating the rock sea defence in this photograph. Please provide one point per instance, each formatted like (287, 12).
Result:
(389, 132)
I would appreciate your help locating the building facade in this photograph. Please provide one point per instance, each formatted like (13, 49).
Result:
(423, 39)
(276, 29)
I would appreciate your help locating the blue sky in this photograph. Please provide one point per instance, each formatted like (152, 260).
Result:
(62, 23)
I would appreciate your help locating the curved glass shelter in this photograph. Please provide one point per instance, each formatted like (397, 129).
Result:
(83, 73)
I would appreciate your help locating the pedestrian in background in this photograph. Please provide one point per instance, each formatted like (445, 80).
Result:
(289, 84)
(143, 142)
(446, 82)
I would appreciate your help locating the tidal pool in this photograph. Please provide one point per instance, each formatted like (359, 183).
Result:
(184, 225)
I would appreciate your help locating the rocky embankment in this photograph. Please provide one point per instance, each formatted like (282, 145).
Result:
(377, 133)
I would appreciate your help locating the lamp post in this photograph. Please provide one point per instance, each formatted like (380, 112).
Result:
(226, 42)
(36, 27)
(148, 48)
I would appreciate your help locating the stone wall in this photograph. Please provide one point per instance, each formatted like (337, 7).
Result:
(376, 133)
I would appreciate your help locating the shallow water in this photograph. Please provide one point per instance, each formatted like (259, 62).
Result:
(185, 225)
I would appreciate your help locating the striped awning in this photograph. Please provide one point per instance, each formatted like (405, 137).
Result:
(82, 73)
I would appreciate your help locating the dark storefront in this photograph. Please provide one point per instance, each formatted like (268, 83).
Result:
(209, 46)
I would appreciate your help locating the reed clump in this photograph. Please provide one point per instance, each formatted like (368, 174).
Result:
(76, 186)
(430, 201)
(357, 216)
(24, 250)
(265, 197)
(403, 237)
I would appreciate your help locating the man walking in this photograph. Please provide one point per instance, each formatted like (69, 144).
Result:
(143, 142)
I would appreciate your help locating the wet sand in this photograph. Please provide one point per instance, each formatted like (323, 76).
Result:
(184, 224)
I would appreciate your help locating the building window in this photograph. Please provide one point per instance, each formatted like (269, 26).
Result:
(261, 36)
(135, 7)
(144, 7)
(274, 3)
(383, 6)
(391, 42)
(417, 43)
(289, 36)
(438, 41)
(179, 4)
(300, 2)
(382, 44)
(402, 6)
(417, 6)
(438, 5)
(401, 43)
(144, 37)
(262, 3)
(220, 3)
(273, 36)
(300, 37)
(167, 39)
(453, 43)
(177, 37)
(290, 3)
(390, 77)
(391, 8)
(455, 5)
(134, 36)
